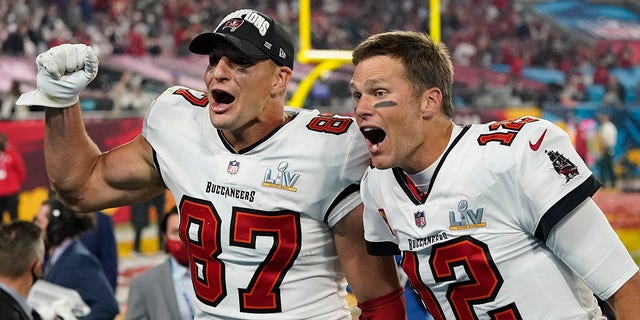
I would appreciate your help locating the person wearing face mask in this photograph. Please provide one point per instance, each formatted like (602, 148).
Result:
(164, 292)
(21, 259)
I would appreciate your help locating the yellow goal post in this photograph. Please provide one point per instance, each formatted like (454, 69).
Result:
(326, 59)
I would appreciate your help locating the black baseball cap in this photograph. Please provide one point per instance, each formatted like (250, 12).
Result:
(251, 32)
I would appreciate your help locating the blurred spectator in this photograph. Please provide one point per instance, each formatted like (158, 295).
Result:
(606, 56)
(70, 264)
(464, 53)
(625, 57)
(581, 139)
(608, 137)
(20, 40)
(127, 94)
(21, 259)
(482, 97)
(165, 291)
(101, 241)
(614, 93)
(135, 42)
(140, 218)
(573, 91)
(601, 74)
(12, 174)
(8, 108)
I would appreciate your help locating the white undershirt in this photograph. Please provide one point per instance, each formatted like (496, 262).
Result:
(422, 179)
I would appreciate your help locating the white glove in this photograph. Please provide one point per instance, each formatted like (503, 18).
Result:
(63, 71)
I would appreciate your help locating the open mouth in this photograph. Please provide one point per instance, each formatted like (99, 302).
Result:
(373, 135)
(222, 97)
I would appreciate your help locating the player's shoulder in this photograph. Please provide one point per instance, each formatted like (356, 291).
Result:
(538, 129)
(182, 96)
(327, 125)
(509, 131)
(178, 102)
(522, 123)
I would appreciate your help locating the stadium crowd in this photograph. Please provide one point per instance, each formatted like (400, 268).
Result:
(479, 33)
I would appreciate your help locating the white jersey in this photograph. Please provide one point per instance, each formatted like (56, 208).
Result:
(474, 247)
(258, 222)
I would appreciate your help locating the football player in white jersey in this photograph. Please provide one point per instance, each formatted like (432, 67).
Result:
(268, 196)
(494, 221)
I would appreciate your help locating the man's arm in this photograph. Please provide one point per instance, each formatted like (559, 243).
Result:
(83, 177)
(626, 301)
(588, 244)
(87, 179)
(373, 279)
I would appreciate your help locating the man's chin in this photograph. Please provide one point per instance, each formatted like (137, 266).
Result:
(380, 163)
(220, 121)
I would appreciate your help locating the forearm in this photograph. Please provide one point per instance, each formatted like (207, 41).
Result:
(376, 286)
(373, 277)
(369, 276)
(70, 154)
(626, 301)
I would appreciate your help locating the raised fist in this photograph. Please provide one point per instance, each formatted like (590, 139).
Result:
(63, 71)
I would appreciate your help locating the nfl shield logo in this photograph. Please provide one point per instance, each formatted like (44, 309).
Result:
(421, 221)
(233, 167)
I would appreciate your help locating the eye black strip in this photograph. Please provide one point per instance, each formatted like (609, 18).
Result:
(385, 104)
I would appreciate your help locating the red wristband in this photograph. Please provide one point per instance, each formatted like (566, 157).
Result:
(390, 306)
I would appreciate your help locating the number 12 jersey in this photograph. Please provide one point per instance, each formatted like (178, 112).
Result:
(475, 244)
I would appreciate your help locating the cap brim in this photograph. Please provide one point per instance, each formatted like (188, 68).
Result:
(205, 42)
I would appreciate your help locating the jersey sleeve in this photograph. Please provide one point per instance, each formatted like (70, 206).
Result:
(174, 106)
(587, 243)
(166, 117)
(380, 238)
(551, 175)
(149, 118)
(354, 165)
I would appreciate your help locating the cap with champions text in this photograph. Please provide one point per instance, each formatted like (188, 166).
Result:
(251, 32)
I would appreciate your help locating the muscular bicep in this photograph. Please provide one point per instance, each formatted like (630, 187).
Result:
(122, 176)
(130, 167)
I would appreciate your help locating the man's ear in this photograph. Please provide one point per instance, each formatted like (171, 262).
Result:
(430, 102)
(282, 80)
(38, 268)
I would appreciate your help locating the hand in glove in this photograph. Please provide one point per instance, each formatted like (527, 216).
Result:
(63, 71)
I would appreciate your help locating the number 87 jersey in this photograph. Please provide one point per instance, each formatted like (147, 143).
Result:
(257, 222)
(487, 240)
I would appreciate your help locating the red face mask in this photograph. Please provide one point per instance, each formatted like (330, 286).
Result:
(178, 250)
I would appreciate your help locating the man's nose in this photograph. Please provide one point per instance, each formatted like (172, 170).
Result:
(362, 108)
(222, 69)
